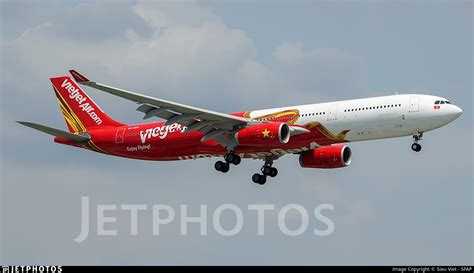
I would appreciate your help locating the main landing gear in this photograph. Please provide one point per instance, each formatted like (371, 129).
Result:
(229, 158)
(267, 170)
(417, 137)
(232, 158)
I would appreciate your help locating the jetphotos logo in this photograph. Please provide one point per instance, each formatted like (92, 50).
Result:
(161, 131)
(32, 269)
(290, 219)
(75, 94)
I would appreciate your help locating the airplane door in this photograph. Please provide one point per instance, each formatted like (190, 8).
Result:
(332, 112)
(414, 104)
(119, 136)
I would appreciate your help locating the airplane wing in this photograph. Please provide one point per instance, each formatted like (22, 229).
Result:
(212, 124)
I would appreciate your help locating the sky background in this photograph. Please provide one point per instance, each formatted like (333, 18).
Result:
(392, 206)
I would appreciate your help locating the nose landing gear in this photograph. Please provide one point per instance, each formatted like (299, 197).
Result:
(416, 147)
(417, 137)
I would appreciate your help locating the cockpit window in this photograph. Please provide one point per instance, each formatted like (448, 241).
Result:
(442, 102)
(447, 102)
(437, 102)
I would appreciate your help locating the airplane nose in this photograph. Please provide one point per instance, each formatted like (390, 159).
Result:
(456, 112)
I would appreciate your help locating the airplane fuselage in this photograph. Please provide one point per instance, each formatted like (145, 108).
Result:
(328, 123)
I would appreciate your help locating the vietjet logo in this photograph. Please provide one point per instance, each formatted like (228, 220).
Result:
(161, 131)
(74, 94)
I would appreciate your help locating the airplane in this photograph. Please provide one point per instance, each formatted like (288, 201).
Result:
(317, 133)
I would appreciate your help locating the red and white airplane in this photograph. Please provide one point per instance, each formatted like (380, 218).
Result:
(316, 132)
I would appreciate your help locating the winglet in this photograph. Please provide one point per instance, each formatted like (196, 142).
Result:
(78, 77)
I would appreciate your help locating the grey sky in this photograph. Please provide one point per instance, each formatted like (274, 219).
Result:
(391, 205)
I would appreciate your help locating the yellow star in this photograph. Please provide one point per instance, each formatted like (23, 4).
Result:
(266, 133)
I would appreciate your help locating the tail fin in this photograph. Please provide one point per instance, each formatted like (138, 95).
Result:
(79, 111)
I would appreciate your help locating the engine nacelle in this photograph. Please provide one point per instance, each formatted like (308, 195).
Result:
(265, 134)
(327, 157)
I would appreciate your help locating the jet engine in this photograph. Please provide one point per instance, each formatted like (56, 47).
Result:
(266, 134)
(326, 157)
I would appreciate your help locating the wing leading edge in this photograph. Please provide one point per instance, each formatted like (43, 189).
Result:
(214, 125)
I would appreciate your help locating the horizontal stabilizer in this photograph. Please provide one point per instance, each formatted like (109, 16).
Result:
(56, 132)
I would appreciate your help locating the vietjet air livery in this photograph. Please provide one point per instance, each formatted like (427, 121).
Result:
(316, 132)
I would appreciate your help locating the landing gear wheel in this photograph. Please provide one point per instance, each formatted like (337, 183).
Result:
(229, 157)
(273, 172)
(232, 158)
(219, 165)
(226, 168)
(236, 160)
(222, 166)
(267, 170)
(259, 179)
(416, 147)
